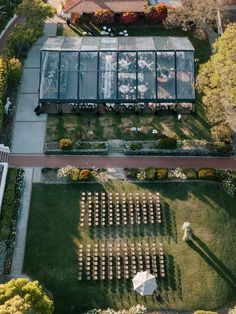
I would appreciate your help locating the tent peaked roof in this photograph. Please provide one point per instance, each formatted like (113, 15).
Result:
(144, 283)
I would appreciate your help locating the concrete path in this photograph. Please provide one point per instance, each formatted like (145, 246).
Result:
(29, 129)
(21, 232)
(121, 162)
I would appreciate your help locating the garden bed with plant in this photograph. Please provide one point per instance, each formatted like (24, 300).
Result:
(67, 147)
(71, 174)
(172, 146)
(11, 206)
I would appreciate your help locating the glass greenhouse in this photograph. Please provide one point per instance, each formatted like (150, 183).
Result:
(117, 70)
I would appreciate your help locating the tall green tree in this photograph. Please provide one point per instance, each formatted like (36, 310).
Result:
(23, 297)
(217, 78)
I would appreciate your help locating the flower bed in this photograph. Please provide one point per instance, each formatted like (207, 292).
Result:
(78, 148)
(186, 174)
(11, 205)
(71, 174)
(184, 148)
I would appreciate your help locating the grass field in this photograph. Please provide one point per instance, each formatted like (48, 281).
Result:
(112, 126)
(200, 275)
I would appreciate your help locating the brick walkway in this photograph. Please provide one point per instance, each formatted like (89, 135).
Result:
(120, 161)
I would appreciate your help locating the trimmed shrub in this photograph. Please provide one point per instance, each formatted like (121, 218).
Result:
(65, 144)
(103, 17)
(135, 146)
(161, 173)
(190, 173)
(131, 173)
(85, 175)
(129, 17)
(150, 174)
(156, 13)
(74, 174)
(14, 69)
(207, 174)
(223, 148)
(167, 143)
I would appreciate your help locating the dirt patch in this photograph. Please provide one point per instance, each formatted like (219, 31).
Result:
(126, 122)
(108, 132)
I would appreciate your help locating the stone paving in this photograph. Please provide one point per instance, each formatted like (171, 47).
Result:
(29, 129)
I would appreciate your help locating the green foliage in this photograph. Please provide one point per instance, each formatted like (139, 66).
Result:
(223, 148)
(14, 68)
(150, 174)
(7, 8)
(30, 296)
(216, 79)
(24, 35)
(135, 146)
(190, 173)
(35, 8)
(167, 143)
(85, 175)
(8, 206)
(131, 173)
(3, 87)
(74, 174)
(161, 173)
(207, 174)
(222, 133)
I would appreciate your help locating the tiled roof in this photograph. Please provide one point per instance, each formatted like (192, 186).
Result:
(90, 6)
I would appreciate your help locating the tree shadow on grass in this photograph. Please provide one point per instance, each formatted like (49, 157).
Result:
(172, 281)
(168, 226)
(202, 249)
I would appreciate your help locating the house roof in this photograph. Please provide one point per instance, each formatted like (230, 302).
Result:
(90, 6)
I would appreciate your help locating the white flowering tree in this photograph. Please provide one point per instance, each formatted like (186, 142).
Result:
(187, 231)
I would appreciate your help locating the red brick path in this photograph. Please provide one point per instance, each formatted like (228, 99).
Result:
(121, 161)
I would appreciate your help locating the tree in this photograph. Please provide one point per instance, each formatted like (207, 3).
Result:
(199, 13)
(216, 78)
(35, 8)
(24, 297)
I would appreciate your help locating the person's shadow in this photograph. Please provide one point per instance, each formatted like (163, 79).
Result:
(202, 249)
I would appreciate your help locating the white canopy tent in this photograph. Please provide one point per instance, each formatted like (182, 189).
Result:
(144, 283)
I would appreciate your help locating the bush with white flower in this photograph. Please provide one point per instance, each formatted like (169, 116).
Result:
(141, 175)
(64, 173)
(177, 174)
(229, 183)
(138, 309)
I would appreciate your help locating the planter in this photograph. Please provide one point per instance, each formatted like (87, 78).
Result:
(52, 148)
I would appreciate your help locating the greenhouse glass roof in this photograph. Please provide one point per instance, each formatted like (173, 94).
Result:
(122, 69)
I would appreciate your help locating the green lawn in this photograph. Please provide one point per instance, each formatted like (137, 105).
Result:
(200, 275)
(112, 126)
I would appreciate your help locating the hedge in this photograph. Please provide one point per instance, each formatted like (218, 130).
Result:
(3, 87)
(161, 173)
(206, 174)
(151, 174)
(190, 173)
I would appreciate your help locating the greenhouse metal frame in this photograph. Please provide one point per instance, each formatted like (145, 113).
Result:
(117, 70)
